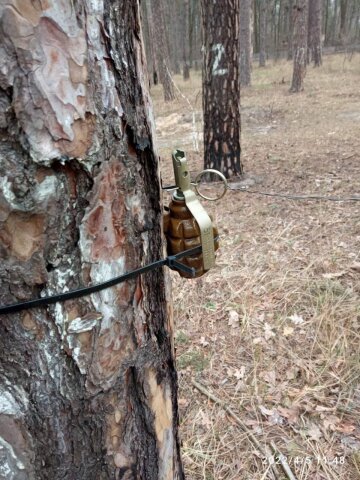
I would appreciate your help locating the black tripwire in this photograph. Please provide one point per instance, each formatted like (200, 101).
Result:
(172, 261)
(291, 196)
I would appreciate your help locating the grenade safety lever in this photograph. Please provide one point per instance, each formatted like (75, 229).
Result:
(184, 191)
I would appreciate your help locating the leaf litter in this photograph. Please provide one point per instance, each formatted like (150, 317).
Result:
(278, 317)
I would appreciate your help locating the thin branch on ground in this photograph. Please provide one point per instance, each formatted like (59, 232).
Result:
(284, 463)
(264, 450)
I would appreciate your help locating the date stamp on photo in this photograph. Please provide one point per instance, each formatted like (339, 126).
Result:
(299, 460)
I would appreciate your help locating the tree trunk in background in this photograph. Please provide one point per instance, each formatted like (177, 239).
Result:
(299, 45)
(290, 31)
(162, 49)
(314, 32)
(197, 42)
(326, 22)
(149, 50)
(88, 387)
(343, 10)
(154, 68)
(262, 33)
(173, 18)
(277, 29)
(256, 26)
(185, 40)
(221, 88)
(245, 42)
(333, 37)
(353, 21)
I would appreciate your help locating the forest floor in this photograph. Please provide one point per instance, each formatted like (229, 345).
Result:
(274, 329)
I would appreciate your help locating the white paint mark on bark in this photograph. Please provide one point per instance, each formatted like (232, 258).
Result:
(220, 50)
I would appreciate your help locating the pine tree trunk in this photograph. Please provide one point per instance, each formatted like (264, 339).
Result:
(87, 387)
(314, 32)
(162, 49)
(172, 30)
(299, 45)
(245, 43)
(148, 33)
(290, 30)
(185, 40)
(343, 11)
(262, 31)
(221, 87)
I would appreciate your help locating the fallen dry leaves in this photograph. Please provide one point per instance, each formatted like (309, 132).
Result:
(278, 319)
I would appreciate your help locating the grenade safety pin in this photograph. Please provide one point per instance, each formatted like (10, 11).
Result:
(187, 224)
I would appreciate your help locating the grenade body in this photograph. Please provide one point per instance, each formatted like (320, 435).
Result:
(182, 233)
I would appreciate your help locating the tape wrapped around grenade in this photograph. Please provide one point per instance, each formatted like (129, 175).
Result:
(182, 233)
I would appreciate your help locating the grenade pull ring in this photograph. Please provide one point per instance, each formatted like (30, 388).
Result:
(184, 192)
(214, 173)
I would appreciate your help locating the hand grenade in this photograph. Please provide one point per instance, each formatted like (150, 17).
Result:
(182, 233)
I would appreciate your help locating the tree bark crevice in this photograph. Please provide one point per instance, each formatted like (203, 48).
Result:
(79, 204)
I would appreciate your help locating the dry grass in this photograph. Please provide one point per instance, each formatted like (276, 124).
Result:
(273, 330)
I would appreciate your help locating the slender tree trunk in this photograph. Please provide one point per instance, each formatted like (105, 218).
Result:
(326, 22)
(245, 42)
(173, 19)
(262, 36)
(221, 87)
(87, 387)
(162, 49)
(185, 40)
(278, 30)
(357, 25)
(148, 44)
(343, 11)
(334, 24)
(299, 45)
(314, 32)
(290, 36)
(195, 40)
(154, 57)
(256, 16)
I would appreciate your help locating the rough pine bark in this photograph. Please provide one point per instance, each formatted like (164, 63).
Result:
(87, 387)
(221, 86)
(162, 49)
(314, 32)
(262, 32)
(245, 42)
(299, 45)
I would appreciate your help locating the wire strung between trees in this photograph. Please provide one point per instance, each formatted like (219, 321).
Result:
(244, 189)
(171, 261)
(292, 196)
